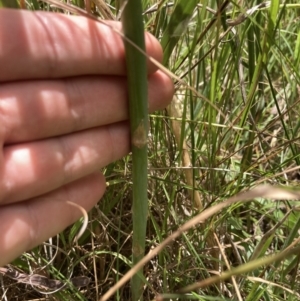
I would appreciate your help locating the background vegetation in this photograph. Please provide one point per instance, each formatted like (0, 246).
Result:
(233, 125)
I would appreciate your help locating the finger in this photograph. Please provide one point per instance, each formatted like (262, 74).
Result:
(25, 225)
(41, 109)
(51, 45)
(32, 169)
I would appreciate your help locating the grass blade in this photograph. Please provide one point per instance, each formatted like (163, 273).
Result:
(179, 21)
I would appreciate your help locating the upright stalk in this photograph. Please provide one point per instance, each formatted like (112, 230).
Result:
(138, 107)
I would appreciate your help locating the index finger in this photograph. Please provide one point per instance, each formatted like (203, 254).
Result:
(51, 45)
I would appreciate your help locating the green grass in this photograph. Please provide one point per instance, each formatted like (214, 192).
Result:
(233, 125)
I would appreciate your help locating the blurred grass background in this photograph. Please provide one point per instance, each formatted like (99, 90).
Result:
(233, 125)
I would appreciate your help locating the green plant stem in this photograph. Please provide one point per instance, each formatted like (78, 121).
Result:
(138, 107)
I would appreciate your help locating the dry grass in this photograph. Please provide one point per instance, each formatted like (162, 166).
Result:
(252, 138)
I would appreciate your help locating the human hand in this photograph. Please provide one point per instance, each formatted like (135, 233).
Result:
(63, 112)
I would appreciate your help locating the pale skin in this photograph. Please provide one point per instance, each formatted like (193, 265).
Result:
(63, 116)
